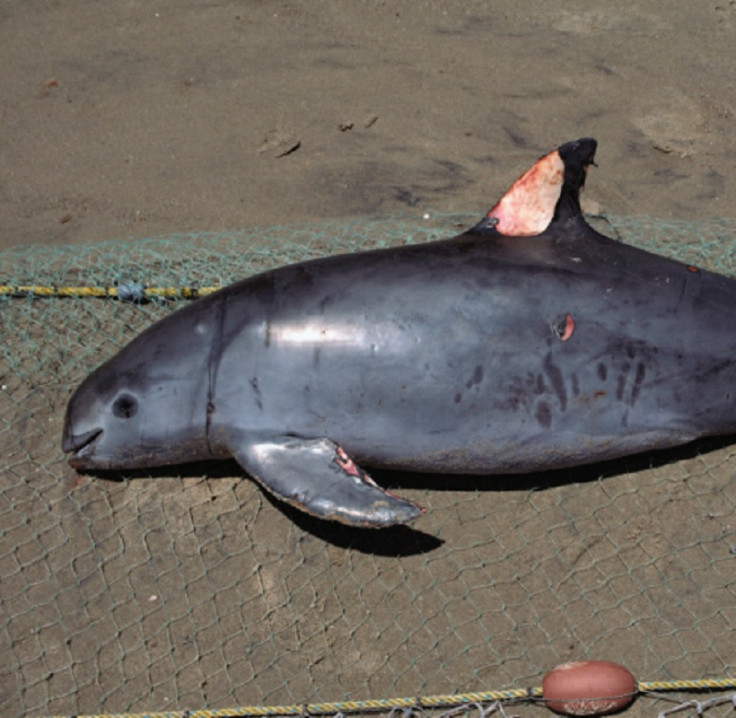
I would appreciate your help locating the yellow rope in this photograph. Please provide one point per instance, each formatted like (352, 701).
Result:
(33, 290)
(698, 685)
(437, 701)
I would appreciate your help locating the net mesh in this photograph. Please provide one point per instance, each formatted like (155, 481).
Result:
(197, 591)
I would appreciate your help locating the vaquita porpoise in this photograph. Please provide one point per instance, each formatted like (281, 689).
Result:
(529, 342)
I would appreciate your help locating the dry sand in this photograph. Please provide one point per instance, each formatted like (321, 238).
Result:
(134, 119)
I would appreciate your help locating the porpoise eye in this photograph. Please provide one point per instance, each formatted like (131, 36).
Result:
(125, 406)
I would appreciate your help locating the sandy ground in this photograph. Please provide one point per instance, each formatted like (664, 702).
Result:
(134, 119)
(137, 119)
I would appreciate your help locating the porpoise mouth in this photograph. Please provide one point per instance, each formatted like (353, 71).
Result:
(77, 443)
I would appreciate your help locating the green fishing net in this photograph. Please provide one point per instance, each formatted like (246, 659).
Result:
(171, 592)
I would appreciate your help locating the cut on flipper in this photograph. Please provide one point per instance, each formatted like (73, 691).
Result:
(318, 477)
(548, 191)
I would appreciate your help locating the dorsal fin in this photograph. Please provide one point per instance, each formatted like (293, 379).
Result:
(549, 191)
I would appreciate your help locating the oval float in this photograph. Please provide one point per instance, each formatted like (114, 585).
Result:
(588, 688)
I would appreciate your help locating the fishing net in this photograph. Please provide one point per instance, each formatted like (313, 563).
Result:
(175, 593)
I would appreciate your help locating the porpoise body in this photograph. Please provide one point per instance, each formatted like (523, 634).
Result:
(529, 342)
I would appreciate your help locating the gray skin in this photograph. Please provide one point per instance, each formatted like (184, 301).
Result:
(481, 354)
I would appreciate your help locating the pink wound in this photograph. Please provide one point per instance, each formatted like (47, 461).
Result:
(528, 206)
(346, 463)
(568, 329)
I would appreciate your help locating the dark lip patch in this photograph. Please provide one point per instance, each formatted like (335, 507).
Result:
(77, 443)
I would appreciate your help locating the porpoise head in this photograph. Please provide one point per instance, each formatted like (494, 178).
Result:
(147, 406)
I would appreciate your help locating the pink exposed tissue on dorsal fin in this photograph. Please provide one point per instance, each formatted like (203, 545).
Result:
(547, 192)
(528, 206)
